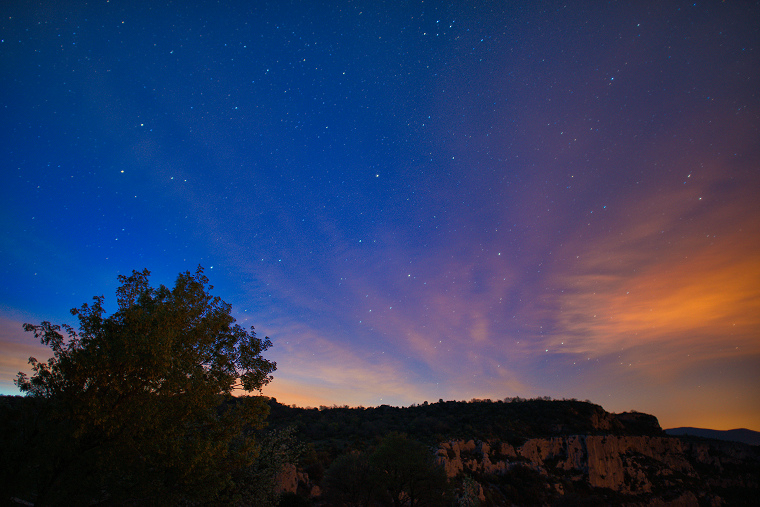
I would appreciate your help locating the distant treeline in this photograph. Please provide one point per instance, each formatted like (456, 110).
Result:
(512, 420)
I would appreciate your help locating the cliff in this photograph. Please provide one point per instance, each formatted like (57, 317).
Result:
(530, 452)
(642, 468)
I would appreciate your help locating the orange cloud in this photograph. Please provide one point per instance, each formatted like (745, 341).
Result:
(669, 274)
(16, 346)
(313, 370)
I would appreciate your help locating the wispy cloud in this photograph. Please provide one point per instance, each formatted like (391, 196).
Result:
(676, 270)
(16, 347)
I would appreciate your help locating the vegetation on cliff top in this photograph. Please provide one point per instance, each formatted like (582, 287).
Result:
(513, 420)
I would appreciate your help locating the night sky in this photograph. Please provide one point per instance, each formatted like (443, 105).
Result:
(414, 200)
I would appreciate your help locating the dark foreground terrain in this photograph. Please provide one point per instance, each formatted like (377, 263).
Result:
(528, 452)
(482, 452)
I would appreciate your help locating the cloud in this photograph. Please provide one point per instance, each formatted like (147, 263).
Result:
(673, 275)
(16, 347)
(313, 369)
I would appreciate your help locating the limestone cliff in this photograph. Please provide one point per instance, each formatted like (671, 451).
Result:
(534, 452)
(628, 465)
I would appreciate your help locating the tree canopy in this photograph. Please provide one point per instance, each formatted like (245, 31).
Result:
(138, 404)
(400, 472)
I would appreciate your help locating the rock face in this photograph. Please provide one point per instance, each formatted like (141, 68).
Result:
(290, 480)
(543, 452)
(629, 465)
(617, 463)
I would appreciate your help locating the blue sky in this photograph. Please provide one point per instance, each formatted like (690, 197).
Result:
(413, 200)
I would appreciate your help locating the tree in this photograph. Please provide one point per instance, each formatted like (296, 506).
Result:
(257, 484)
(139, 402)
(409, 472)
(352, 480)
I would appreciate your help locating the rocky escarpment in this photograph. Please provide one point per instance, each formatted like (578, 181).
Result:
(291, 480)
(618, 463)
(534, 452)
(644, 466)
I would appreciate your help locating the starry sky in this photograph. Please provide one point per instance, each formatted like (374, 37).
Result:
(415, 200)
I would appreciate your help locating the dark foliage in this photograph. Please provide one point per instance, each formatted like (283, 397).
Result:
(136, 407)
(338, 428)
(352, 480)
(345, 439)
(399, 471)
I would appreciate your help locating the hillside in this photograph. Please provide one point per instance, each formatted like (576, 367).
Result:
(738, 435)
(450, 453)
(513, 421)
(531, 452)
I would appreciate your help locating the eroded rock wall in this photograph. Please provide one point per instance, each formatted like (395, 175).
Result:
(622, 464)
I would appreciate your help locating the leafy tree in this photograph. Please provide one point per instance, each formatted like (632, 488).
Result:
(256, 484)
(135, 401)
(409, 472)
(352, 480)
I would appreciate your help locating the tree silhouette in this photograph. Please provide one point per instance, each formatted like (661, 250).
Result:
(409, 473)
(135, 402)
